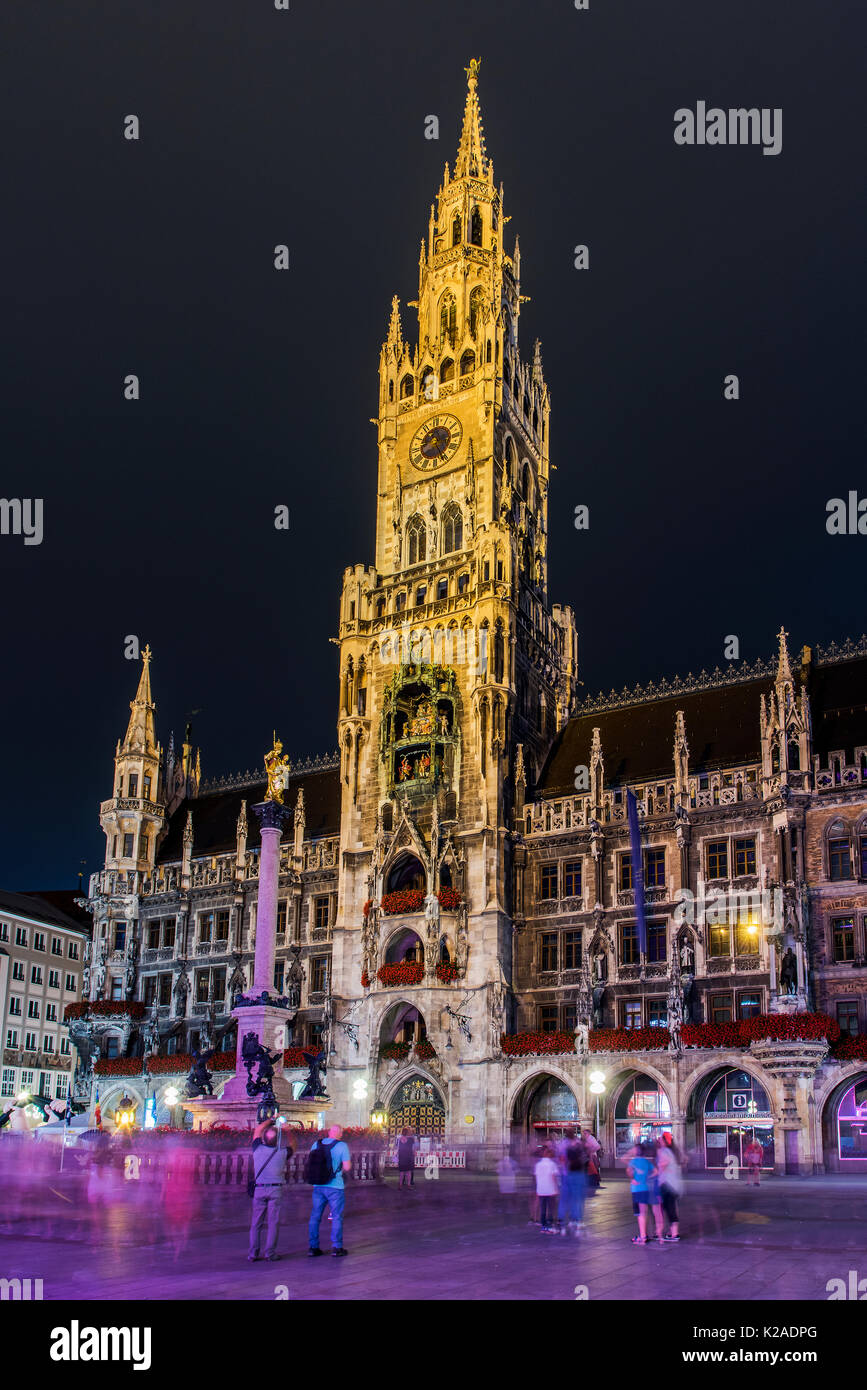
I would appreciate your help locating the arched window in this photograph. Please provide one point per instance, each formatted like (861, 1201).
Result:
(429, 388)
(477, 302)
(456, 230)
(391, 390)
(468, 363)
(535, 420)
(488, 351)
(525, 482)
(447, 369)
(476, 227)
(507, 326)
(448, 319)
(416, 540)
(407, 386)
(526, 407)
(453, 528)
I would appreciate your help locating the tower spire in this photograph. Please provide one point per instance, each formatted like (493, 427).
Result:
(395, 336)
(140, 734)
(472, 160)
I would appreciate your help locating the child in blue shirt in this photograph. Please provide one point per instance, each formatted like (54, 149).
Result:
(643, 1180)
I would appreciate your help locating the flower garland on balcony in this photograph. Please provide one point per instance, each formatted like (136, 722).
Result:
(404, 972)
(103, 1008)
(365, 980)
(628, 1039)
(446, 972)
(404, 900)
(294, 1057)
(851, 1049)
(395, 1051)
(119, 1066)
(424, 1049)
(526, 1044)
(807, 1027)
(449, 899)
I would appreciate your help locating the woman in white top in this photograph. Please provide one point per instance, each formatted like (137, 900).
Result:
(670, 1165)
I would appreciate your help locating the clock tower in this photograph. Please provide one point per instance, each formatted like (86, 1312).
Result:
(455, 675)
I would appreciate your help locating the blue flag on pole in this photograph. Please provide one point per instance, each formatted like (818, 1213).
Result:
(637, 871)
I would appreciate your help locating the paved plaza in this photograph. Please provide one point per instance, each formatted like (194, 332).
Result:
(452, 1238)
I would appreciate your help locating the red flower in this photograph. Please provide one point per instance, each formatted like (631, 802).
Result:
(405, 972)
(852, 1049)
(294, 1057)
(446, 972)
(628, 1039)
(365, 980)
(526, 1044)
(405, 900)
(449, 899)
(395, 1051)
(425, 1049)
(100, 1008)
(119, 1066)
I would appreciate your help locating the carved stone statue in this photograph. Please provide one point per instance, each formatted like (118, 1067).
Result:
(582, 1037)
(253, 1053)
(600, 967)
(199, 1079)
(789, 973)
(687, 957)
(294, 977)
(598, 1001)
(314, 1085)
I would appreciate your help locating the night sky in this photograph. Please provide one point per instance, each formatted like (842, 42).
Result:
(259, 127)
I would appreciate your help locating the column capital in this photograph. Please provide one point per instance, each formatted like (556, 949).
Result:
(271, 814)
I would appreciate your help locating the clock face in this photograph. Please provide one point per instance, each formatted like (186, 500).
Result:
(435, 442)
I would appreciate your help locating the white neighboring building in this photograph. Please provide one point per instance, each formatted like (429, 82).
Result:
(42, 950)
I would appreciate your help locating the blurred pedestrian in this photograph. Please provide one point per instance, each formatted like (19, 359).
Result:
(547, 1176)
(754, 1157)
(181, 1196)
(669, 1162)
(642, 1172)
(573, 1165)
(406, 1158)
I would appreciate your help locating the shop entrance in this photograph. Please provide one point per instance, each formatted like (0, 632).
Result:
(737, 1110)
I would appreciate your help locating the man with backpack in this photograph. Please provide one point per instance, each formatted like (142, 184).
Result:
(327, 1161)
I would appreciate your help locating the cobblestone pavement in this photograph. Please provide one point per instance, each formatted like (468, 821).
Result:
(453, 1238)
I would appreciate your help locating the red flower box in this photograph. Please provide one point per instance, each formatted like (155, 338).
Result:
(446, 972)
(851, 1049)
(628, 1039)
(164, 1066)
(405, 972)
(294, 1057)
(526, 1044)
(405, 900)
(805, 1027)
(365, 980)
(425, 1049)
(395, 1051)
(105, 1008)
(119, 1066)
(449, 899)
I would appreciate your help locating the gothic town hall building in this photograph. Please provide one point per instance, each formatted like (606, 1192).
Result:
(457, 921)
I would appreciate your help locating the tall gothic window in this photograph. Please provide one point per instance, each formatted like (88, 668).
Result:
(448, 319)
(476, 227)
(456, 230)
(453, 528)
(468, 363)
(416, 539)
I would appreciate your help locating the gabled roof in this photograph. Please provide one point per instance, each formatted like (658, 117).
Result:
(38, 907)
(215, 815)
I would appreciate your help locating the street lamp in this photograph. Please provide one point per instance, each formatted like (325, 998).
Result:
(124, 1115)
(379, 1115)
(597, 1088)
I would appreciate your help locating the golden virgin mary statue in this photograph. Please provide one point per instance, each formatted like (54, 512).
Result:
(277, 770)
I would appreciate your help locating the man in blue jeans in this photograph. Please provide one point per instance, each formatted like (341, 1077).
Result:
(331, 1193)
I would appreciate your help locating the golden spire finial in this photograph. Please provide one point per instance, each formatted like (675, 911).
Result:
(473, 70)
